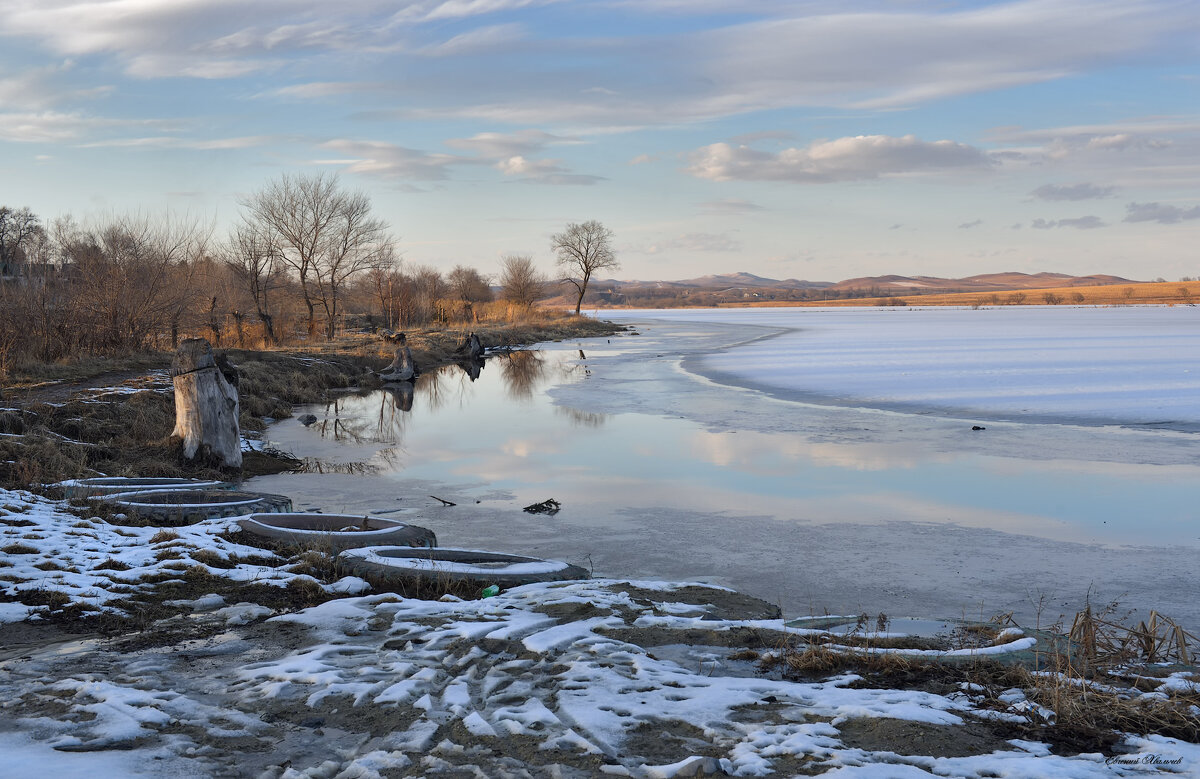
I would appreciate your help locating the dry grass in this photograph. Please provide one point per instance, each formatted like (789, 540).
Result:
(63, 436)
(1078, 708)
(1137, 293)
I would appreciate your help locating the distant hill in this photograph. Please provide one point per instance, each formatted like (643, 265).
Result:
(985, 282)
(742, 288)
(720, 281)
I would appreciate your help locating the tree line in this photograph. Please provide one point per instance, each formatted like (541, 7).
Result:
(306, 260)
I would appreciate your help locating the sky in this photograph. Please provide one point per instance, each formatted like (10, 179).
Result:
(819, 139)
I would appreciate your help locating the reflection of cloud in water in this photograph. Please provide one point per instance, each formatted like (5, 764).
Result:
(884, 507)
(769, 453)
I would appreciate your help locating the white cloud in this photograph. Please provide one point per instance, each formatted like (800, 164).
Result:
(502, 145)
(477, 41)
(1072, 192)
(60, 126)
(730, 206)
(843, 159)
(386, 160)
(1079, 223)
(320, 89)
(174, 142)
(1163, 213)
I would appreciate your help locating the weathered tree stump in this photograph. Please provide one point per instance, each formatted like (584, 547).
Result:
(474, 347)
(206, 406)
(402, 367)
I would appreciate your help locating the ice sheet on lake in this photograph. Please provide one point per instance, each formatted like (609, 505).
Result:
(1124, 365)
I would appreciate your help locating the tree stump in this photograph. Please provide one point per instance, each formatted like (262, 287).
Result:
(474, 347)
(402, 367)
(206, 406)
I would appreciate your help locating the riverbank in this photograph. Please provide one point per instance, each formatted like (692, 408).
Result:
(114, 417)
(192, 652)
(204, 656)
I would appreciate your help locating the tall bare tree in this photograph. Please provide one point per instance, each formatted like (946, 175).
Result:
(583, 249)
(521, 283)
(358, 243)
(326, 235)
(469, 285)
(255, 260)
(19, 227)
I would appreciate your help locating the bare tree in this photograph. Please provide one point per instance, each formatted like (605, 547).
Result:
(19, 228)
(583, 249)
(358, 243)
(521, 283)
(469, 285)
(324, 234)
(256, 262)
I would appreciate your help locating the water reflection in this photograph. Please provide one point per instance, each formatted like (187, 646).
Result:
(384, 416)
(523, 372)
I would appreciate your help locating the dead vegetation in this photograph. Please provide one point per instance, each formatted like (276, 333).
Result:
(1168, 293)
(1079, 692)
(67, 430)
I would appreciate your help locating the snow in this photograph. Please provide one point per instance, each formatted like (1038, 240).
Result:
(94, 563)
(404, 686)
(458, 675)
(429, 564)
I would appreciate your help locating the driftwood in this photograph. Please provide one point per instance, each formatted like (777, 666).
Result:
(206, 405)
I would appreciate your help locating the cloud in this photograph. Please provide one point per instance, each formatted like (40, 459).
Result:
(1072, 192)
(386, 160)
(693, 242)
(765, 135)
(969, 225)
(37, 89)
(501, 145)
(544, 172)
(1079, 223)
(476, 41)
(730, 207)
(320, 89)
(843, 159)
(1160, 212)
(63, 126)
(773, 56)
(173, 142)
(643, 159)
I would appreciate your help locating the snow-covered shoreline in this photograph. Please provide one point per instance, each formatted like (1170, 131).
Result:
(576, 679)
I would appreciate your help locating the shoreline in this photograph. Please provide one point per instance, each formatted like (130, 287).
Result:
(243, 663)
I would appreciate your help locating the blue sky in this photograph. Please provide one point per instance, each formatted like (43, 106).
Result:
(816, 140)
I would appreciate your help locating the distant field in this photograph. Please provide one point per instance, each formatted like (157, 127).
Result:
(1165, 292)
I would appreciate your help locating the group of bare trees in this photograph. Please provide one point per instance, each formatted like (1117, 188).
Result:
(304, 254)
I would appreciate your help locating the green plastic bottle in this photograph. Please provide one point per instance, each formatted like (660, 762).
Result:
(489, 591)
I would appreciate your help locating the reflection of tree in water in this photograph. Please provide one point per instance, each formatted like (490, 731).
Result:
(581, 418)
(314, 465)
(522, 372)
(345, 429)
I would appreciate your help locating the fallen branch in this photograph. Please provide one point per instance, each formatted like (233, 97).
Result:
(444, 502)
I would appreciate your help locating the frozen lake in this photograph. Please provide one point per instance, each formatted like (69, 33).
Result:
(814, 458)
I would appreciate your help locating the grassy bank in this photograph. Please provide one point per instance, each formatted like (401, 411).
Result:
(114, 416)
(1143, 293)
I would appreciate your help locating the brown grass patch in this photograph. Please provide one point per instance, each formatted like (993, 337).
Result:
(1135, 293)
